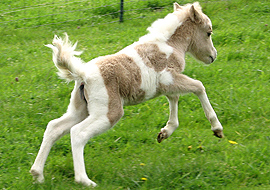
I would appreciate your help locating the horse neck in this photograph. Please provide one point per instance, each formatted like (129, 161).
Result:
(182, 37)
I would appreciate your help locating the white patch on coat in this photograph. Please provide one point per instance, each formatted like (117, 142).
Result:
(148, 75)
(96, 90)
(165, 77)
(165, 48)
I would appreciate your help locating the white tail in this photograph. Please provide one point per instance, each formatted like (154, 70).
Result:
(70, 67)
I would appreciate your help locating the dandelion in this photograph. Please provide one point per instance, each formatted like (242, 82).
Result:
(142, 164)
(233, 142)
(200, 147)
(144, 179)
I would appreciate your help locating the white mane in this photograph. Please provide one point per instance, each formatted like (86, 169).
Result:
(163, 29)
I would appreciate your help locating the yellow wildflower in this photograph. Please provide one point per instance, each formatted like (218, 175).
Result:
(233, 142)
(144, 178)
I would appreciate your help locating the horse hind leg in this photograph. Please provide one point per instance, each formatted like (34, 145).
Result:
(77, 111)
(80, 134)
(54, 131)
(95, 124)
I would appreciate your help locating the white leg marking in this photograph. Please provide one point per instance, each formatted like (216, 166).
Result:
(55, 130)
(77, 111)
(80, 134)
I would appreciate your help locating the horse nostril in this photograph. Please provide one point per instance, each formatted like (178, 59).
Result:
(212, 59)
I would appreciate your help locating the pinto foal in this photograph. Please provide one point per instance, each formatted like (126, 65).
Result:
(146, 69)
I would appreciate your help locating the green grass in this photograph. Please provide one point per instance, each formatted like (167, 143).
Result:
(237, 84)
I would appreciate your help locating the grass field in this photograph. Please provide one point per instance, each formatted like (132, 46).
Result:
(128, 156)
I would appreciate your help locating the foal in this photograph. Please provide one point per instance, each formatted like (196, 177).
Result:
(146, 69)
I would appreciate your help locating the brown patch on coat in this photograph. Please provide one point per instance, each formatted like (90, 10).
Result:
(122, 78)
(176, 61)
(152, 56)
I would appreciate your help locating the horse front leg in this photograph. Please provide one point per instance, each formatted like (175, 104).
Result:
(210, 114)
(172, 123)
(196, 87)
(184, 84)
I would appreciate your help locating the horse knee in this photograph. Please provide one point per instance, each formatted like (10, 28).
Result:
(78, 137)
(198, 87)
(52, 130)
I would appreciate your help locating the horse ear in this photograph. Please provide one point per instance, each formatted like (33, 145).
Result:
(176, 6)
(194, 15)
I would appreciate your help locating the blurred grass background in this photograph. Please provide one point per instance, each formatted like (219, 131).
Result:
(237, 84)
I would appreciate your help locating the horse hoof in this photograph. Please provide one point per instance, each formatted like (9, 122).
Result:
(219, 133)
(37, 176)
(161, 136)
(86, 182)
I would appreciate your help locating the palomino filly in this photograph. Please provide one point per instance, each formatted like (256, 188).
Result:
(146, 69)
